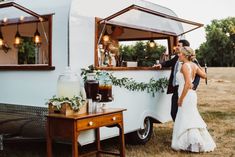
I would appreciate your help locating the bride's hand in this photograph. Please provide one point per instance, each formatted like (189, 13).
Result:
(180, 102)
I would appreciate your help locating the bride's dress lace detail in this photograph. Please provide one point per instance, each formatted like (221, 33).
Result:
(190, 132)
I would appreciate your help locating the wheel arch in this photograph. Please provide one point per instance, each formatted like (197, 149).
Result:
(151, 115)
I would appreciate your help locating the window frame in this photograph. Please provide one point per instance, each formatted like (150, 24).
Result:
(170, 48)
(46, 18)
(31, 19)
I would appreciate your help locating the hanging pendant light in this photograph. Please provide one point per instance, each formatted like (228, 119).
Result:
(1, 38)
(37, 37)
(152, 43)
(3, 45)
(17, 41)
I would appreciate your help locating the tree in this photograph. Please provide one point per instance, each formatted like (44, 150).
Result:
(219, 48)
(26, 51)
(141, 52)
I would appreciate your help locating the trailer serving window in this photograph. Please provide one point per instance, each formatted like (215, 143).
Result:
(145, 36)
(25, 38)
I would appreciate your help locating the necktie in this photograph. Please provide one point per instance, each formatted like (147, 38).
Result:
(175, 71)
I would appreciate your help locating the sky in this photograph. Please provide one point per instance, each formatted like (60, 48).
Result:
(201, 11)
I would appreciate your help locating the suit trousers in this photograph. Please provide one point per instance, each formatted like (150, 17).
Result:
(174, 103)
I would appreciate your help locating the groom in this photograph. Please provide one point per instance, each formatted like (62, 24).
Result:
(173, 84)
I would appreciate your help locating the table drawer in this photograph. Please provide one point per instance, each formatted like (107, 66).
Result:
(88, 123)
(110, 119)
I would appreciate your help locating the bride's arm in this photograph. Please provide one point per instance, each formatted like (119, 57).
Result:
(201, 72)
(187, 84)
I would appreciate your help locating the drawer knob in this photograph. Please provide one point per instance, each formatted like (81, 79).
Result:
(90, 123)
(114, 118)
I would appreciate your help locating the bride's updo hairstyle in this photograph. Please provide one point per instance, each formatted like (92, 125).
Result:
(188, 52)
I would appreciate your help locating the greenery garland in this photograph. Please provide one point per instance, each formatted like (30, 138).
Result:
(153, 86)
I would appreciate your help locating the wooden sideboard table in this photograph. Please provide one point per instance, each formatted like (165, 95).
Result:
(69, 127)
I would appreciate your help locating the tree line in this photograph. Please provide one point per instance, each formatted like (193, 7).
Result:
(219, 48)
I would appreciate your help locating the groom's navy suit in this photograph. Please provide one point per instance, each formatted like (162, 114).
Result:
(174, 89)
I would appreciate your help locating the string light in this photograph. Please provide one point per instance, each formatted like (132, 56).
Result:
(21, 18)
(5, 19)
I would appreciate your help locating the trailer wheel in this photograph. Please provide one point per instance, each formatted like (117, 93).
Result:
(141, 136)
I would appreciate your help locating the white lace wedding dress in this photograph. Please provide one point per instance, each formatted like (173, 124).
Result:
(190, 132)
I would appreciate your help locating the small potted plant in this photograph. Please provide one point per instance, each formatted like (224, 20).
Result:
(67, 106)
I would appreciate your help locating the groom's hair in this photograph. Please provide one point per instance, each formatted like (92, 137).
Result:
(184, 42)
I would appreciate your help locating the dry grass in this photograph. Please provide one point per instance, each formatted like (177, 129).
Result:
(216, 103)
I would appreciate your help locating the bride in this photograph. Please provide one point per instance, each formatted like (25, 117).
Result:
(189, 132)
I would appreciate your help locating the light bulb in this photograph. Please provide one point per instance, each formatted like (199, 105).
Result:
(17, 41)
(21, 18)
(1, 42)
(5, 19)
(37, 39)
(152, 43)
(106, 38)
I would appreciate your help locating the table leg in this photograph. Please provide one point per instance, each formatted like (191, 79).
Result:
(97, 136)
(75, 144)
(49, 139)
(121, 139)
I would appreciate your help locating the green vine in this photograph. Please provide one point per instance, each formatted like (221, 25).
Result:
(90, 69)
(75, 102)
(153, 86)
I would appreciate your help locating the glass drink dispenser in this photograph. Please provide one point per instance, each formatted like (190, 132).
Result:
(68, 84)
(91, 86)
(105, 87)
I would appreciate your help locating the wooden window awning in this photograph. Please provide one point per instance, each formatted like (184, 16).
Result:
(19, 10)
(141, 18)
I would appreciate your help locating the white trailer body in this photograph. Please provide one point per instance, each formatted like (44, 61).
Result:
(73, 44)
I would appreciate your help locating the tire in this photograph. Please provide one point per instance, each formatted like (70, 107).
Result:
(141, 136)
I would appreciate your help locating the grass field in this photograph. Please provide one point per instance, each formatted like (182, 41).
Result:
(216, 102)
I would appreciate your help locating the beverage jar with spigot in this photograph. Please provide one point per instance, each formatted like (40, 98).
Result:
(105, 87)
(68, 84)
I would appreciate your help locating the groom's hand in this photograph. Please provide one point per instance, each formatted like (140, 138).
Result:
(157, 66)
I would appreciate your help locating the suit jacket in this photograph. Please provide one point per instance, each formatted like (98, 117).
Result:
(171, 63)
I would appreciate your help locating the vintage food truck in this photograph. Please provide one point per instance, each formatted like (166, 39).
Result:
(39, 39)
